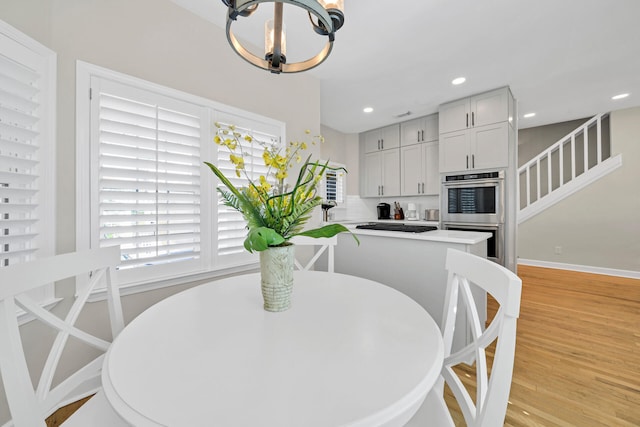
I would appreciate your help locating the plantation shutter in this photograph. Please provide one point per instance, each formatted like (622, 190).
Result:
(147, 191)
(333, 185)
(231, 224)
(26, 156)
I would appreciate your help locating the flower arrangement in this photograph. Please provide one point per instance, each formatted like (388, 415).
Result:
(274, 212)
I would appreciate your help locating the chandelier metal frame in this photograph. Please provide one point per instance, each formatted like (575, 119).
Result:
(328, 22)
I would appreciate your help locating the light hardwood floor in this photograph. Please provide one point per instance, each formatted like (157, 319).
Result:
(577, 353)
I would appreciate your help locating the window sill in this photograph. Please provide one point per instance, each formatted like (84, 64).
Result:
(26, 317)
(135, 288)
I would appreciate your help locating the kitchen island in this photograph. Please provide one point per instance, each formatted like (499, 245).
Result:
(413, 263)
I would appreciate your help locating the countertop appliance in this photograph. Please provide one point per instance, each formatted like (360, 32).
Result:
(412, 212)
(432, 214)
(384, 210)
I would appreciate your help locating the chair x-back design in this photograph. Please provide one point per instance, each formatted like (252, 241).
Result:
(489, 407)
(327, 244)
(28, 406)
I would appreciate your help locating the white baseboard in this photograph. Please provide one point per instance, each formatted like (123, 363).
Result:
(581, 268)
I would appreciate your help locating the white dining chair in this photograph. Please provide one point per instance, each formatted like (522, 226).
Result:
(30, 406)
(323, 244)
(489, 407)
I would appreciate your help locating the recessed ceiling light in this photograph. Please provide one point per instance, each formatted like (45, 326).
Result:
(367, 109)
(458, 81)
(622, 95)
(528, 115)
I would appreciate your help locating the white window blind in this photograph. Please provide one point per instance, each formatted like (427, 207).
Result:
(142, 183)
(27, 102)
(333, 185)
(231, 225)
(147, 190)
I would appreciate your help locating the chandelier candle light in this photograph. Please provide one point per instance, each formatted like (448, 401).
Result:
(326, 17)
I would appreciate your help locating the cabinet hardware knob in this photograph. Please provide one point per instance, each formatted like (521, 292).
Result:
(467, 161)
(423, 188)
(422, 131)
(473, 118)
(418, 136)
(473, 161)
(467, 119)
(418, 188)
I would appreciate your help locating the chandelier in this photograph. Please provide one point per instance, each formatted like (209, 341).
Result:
(326, 17)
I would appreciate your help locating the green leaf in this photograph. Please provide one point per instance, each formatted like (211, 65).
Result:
(260, 238)
(328, 231)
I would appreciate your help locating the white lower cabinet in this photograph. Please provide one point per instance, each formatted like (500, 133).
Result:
(382, 173)
(419, 172)
(484, 147)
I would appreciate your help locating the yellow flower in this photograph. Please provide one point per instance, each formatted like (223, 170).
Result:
(237, 160)
(266, 156)
(217, 139)
(248, 138)
(303, 146)
(307, 131)
(281, 174)
(264, 185)
(298, 158)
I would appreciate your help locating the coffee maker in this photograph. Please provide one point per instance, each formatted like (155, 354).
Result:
(412, 212)
(384, 210)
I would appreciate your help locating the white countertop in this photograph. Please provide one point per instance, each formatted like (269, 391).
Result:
(446, 236)
(346, 222)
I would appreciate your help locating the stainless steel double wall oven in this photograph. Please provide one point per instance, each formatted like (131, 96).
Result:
(476, 202)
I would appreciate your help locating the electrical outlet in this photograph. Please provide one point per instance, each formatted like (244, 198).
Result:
(557, 250)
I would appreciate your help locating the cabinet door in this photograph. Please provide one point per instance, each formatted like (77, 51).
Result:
(430, 169)
(454, 151)
(490, 146)
(372, 174)
(391, 172)
(431, 128)
(390, 137)
(454, 116)
(489, 108)
(411, 132)
(372, 141)
(411, 170)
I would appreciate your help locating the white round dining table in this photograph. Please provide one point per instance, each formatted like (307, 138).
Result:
(349, 352)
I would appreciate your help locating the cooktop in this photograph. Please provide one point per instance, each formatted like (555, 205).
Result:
(396, 227)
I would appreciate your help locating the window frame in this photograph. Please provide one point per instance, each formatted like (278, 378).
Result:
(85, 72)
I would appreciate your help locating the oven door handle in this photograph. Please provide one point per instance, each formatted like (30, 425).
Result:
(471, 184)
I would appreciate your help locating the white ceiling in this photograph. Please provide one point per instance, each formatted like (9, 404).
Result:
(563, 59)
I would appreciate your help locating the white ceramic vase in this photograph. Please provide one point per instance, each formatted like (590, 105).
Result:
(276, 271)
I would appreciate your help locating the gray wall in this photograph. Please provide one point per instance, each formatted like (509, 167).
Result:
(599, 226)
(343, 148)
(532, 141)
(165, 44)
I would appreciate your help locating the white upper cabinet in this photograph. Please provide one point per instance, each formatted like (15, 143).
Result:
(416, 131)
(483, 109)
(484, 147)
(475, 132)
(382, 139)
(382, 173)
(419, 173)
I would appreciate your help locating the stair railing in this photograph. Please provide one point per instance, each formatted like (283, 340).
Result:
(546, 157)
